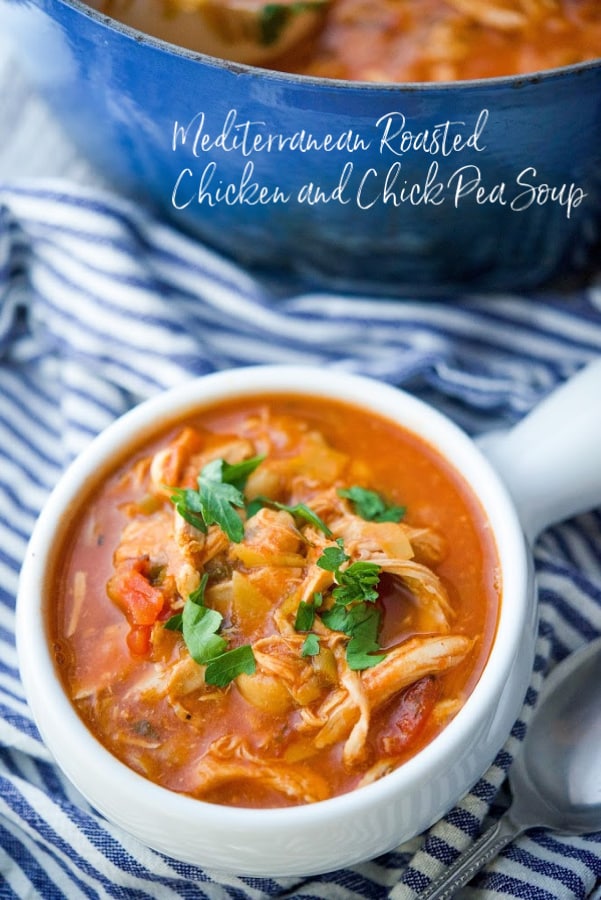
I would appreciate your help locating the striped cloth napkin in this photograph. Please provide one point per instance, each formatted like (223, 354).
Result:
(100, 307)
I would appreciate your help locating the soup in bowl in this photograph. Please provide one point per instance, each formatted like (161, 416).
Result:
(391, 147)
(272, 623)
(278, 601)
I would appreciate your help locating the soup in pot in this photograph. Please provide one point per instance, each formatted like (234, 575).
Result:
(380, 40)
(275, 602)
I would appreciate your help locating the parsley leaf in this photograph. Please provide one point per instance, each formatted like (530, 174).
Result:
(224, 668)
(310, 645)
(338, 618)
(217, 500)
(302, 511)
(305, 613)
(254, 506)
(364, 640)
(332, 557)
(220, 486)
(199, 625)
(354, 613)
(187, 503)
(237, 473)
(299, 510)
(305, 616)
(174, 623)
(357, 583)
(198, 596)
(362, 624)
(371, 506)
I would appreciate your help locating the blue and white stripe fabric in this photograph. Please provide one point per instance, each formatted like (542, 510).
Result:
(100, 307)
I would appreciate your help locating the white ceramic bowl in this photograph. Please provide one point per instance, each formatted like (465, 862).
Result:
(372, 820)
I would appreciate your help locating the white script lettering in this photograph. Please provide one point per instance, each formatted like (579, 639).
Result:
(443, 139)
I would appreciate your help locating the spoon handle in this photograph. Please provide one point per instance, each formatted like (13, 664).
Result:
(488, 845)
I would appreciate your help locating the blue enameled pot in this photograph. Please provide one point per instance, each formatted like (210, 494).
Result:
(492, 184)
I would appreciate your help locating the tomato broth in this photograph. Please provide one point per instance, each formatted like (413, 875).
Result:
(279, 600)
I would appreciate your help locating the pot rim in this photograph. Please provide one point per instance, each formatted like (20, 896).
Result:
(272, 75)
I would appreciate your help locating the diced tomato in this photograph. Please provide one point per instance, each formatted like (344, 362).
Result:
(131, 590)
(408, 716)
(138, 639)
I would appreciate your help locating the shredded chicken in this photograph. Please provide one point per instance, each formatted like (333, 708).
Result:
(168, 466)
(364, 540)
(175, 682)
(431, 40)
(413, 660)
(284, 678)
(180, 463)
(273, 536)
(352, 683)
(314, 580)
(231, 759)
(79, 594)
(276, 592)
(435, 610)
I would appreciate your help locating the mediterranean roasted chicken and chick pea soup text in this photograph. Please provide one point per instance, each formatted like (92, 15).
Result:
(377, 40)
(274, 602)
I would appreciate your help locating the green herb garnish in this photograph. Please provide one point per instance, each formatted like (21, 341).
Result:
(196, 598)
(332, 557)
(361, 623)
(175, 623)
(200, 626)
(355, 584)
(299, 511)
(224, 668)
(310, 645)
(237, 473)
(187, 503)
(305, 616)
(219, 493)
(371, 506)
(218, 499)
(302, 511)
(353, 613)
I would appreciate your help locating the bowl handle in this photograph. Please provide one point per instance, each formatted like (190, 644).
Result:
(551, 460)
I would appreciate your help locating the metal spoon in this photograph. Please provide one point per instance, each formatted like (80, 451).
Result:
(556, 779)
